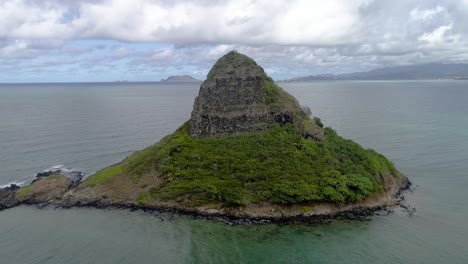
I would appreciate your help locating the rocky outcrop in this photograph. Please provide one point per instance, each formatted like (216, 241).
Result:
(74, 175)
(8, 196)
(49, 189)
(239, 97)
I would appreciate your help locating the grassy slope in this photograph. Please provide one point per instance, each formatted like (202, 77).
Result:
(277, 165)
(103, 175)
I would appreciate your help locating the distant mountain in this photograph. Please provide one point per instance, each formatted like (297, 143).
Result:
(180, 78)
(410, 72)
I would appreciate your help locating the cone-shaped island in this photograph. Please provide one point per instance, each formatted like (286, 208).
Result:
(248, 150)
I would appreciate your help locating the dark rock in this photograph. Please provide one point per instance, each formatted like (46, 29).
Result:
(239, 97)
(8, 197)
(41, 205)
(46, 173)
(75, 176)
(12, 187)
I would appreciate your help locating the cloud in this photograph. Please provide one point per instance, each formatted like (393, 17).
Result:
(418, 14)
(287, 37)
(13, 49)
(196, 22)
(436, 36)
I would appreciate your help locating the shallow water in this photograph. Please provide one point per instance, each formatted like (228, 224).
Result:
(422, 126)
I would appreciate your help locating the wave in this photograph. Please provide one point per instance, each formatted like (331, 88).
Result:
(17, 183)
(74, 174)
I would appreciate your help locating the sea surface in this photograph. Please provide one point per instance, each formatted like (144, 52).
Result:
(422, 126)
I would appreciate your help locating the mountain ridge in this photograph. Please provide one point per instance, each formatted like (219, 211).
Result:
(428, 71)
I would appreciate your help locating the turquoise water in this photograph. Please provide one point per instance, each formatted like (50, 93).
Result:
(422, 126)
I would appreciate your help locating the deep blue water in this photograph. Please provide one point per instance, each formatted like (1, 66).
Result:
(422, 126)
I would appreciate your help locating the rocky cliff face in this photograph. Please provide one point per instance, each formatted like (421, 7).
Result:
(239, 97)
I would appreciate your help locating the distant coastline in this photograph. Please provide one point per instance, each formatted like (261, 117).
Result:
(433, 71)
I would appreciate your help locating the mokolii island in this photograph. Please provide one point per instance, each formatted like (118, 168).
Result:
(248, 151)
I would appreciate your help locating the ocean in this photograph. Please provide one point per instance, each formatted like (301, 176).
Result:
(422, 126)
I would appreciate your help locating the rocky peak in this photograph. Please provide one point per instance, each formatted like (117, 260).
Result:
(239, 97)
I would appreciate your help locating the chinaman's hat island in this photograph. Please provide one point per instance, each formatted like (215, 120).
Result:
(249, 150)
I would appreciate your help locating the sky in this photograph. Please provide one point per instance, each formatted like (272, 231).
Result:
(147, 40)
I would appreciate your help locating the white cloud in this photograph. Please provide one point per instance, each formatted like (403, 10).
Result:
(244, 21)
(17, 49)
(162, 54)
(25, 20)
(418, 14)
(436, 36)
(307, 22)
(286, 36)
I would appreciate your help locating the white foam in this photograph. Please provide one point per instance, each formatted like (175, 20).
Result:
(13, 182)
(55, 167)
(68, 172)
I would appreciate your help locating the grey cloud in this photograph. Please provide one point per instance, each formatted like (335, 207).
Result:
(287, 37)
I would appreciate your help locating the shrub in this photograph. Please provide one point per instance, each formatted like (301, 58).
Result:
(264, 166)
(318, 121)
(272, 91)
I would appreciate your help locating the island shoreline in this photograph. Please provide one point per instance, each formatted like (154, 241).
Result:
(353, 213)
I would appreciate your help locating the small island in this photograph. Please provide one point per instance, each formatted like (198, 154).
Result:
(249, 151)
(179, 78)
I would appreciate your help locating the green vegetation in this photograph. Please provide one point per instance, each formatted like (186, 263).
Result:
(293, 161)
(318, 121)
(104, 175)
(233, 55)
(24, 191)
(231, 58)
(277, 165)
(272, 91)
(306, 209)
(142, 198)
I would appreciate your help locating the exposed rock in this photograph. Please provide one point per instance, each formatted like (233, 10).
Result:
(44, 174)
(8, 198)
(12, 187)
(239, 97)
(50, 189)
(73, 175)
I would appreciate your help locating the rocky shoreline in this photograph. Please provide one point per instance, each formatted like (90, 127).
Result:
(360, 213)
(58, 195)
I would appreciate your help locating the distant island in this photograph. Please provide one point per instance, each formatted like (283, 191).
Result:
(180, 78)
(249, 151)
(431, 71)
